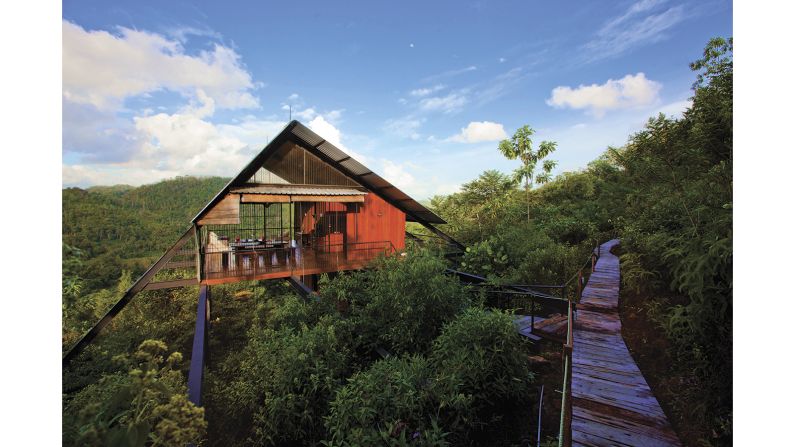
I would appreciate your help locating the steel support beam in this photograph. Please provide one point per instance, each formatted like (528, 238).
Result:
(137, 286)
(200, 338)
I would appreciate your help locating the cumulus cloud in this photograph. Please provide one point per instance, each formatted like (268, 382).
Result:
(182, 143)
(97, 136)
(103, 69)
(186, 142)
(479, 131)
(329, 132)
(397, 174)
(631, 91)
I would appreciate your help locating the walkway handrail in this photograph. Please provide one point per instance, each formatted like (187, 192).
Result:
(564, 435)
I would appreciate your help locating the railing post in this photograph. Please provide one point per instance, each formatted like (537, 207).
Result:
(579, 285)
(593, 262)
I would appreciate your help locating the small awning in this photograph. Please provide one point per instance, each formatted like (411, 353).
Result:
(294, 193)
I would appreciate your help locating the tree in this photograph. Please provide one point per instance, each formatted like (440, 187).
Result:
(521, 146)
(486, 196)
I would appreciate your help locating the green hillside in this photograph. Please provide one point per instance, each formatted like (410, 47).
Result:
(126, 228)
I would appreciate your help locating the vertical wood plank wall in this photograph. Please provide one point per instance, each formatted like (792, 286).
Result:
(380, 221)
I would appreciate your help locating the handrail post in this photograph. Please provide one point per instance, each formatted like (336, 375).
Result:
(579, 285)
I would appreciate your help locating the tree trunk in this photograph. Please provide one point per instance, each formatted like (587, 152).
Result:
(527, 196)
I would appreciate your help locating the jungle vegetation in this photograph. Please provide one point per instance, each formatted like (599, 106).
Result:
(289, 371)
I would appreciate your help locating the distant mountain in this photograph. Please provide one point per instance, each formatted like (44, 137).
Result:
(124, 227)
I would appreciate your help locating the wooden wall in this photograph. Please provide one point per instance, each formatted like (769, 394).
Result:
(379, 221)
(227, 211)
(375, 221)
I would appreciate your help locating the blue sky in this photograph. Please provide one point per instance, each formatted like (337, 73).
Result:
(420, 92)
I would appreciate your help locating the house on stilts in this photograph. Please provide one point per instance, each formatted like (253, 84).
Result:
(300, 208)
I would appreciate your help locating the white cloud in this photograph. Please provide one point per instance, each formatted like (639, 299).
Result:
(104, 69)
(479, 131)
(187, 143)
(90, 175)
(183, 143)
(407, 127)
(631, 91)
(321, 126)
(638, 26)
(306, 114)
(421, 92)
(675, 109)
(397, 174)
(253, 132)
(447, 104)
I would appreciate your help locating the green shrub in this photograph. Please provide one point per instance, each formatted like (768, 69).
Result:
(286, 380)
(149, 406)
(481, 364)
(400, 304)
(294, 312)
(523, 254)
(389, 404)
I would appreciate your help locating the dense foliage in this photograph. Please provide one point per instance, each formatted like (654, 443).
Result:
(401, 304)
(678, 225)
(148, 406)
(390, 403)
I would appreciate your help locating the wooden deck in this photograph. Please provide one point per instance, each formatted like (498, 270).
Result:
(612, 404)
(228, 267)
(552, 327)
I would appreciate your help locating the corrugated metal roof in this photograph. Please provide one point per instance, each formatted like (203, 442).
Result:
(415, 212)
(293, 190)
(372, 181)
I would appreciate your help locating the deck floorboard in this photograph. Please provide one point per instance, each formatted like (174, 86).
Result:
(612, 403)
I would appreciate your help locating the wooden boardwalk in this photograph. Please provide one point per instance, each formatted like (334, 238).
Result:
(612, 404)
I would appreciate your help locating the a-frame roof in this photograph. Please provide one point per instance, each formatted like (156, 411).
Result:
(327, 152)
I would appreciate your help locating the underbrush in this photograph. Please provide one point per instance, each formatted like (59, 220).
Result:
(674, 380)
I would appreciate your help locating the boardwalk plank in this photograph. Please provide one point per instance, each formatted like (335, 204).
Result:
(612, 402)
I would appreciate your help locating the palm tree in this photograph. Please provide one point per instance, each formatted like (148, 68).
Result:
(521, 146)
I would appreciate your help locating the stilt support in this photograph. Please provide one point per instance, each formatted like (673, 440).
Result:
(196, 372)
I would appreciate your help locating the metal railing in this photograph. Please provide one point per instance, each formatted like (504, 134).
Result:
(564, 434)
(255, 260)
(566, 303)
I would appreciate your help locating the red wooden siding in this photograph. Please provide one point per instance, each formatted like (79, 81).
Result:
(380, 221)
(376, 220)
